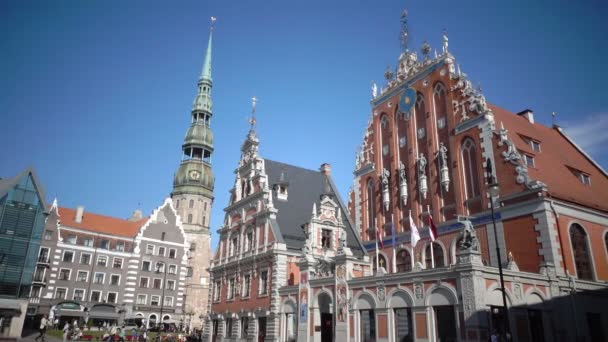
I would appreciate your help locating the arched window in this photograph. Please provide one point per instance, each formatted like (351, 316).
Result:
(404, 261)
(176, 204)
(371, 218)
(189, 218)
(440, 102)
(469, 168)
(437, 255)
(191, 204)
(381, 262)
(580, 250)
(420, 116)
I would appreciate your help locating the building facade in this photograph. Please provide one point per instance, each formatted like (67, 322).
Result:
(192, 193)
(22, 215)
(97, 269)
(497, 186)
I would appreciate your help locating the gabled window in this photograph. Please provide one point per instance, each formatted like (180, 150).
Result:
(326, 238)
(585, 178)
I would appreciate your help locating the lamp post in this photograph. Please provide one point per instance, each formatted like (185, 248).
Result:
(162, 297)
(494, 192)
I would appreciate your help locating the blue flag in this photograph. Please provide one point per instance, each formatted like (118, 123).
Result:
(393, 234)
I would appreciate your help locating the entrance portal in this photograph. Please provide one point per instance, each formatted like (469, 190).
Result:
(327, 318)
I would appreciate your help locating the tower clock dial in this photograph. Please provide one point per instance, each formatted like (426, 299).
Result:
(195, 175)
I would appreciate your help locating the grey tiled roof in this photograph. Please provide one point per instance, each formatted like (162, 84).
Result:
(305, 187)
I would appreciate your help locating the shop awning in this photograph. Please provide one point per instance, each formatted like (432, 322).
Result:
(103, 314)
(70, 313)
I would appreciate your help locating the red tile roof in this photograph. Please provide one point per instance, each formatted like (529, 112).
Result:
(100, 223)
(556, 160)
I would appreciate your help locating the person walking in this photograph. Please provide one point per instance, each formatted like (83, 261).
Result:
(66, 331)
(42, 329)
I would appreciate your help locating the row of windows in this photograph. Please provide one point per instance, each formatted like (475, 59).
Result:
(85, 258)
(144, 282)
(247, 244)
(159, 267)
(404, 259)
(245, 287)
(191, 205)
(83, 276)
(161, 251)
(142, 299)
(90, 242)
(79, 295)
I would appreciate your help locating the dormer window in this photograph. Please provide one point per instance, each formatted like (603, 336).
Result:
(281, 191)
(535, 145)
(326, 238)
(585, 178)
(529, 160)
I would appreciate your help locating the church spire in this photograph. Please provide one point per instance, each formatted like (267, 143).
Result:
(206, 72)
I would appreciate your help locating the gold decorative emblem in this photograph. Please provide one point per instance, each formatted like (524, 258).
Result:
(407, 100)
(195, 175)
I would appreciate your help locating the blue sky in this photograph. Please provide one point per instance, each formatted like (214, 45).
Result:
(96, 95)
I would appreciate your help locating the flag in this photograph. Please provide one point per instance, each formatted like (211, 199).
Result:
(379, 238)
(393, 234)
(415, 233)
(432, 229)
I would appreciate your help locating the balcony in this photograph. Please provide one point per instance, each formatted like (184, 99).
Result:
(35, 300)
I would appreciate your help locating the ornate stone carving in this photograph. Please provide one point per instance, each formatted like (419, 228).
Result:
(381, 292)
(468, 237)
(324, 267)
(444, 171)
(402, 183)
(418, 291)
(422, 184)
(386, 197)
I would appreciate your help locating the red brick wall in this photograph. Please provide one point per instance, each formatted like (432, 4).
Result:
(520, 238)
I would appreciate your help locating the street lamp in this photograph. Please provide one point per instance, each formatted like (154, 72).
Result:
(494, 192)
(163, 285)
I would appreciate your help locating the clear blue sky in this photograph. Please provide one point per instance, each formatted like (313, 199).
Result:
(96, 95)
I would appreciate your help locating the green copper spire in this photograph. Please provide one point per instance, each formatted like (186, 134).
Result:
(206, 72)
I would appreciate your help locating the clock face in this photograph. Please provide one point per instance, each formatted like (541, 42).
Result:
(195, 175)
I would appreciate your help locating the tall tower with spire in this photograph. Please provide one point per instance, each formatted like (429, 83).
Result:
(193, 192)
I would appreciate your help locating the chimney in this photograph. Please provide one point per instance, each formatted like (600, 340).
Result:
(325, 169)
(79, 214)
(528, 114)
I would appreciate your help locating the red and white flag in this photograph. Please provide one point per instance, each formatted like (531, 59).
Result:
(414, 232)
(432, 229)
(379, 238)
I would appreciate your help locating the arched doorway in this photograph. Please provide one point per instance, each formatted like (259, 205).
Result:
(366, 307)
(324, 302)
(443, 301)
(401, 308)
(289, 321)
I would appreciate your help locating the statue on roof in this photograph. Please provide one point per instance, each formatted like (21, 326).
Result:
(445, 41)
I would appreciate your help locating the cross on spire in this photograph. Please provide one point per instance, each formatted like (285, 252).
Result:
(252, 120)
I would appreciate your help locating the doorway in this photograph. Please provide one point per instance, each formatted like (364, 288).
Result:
(445, 320)
(261, 329)
(327, 318)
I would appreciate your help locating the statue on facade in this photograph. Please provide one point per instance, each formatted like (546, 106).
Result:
(468, 238)
(445, 41)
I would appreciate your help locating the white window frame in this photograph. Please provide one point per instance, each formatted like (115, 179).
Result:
(145, 296)
(49, 234)
(149, 263)
(584, 178)
(122, 262)
(260, 287)
(68, 239)
(84, 242)
(120, 243)
(84, 294)
(165, 301)
(174, 253)
(243, 294)
(169, 269)
(100, 296)
(150, 251)
(90, 258)
(157, 300)
(163, 249)
(108, 297)
(101, 257)
(527, 158)
(231, 289)
(69, 274)
(147, 283)
(101, 244)
(65, 293)
(160, 269)
(86, 278)
(217, 293)
(63, 256)
(170, 288)
(119, 278)
(103, 281)
(161, 283)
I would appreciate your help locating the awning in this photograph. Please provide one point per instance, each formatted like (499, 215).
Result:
(71, 313)
(104, 314)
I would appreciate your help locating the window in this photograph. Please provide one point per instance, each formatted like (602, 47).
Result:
(441, 123)
(78, 295)
(205, 206)
(402, 141)
(172, 253)
(105, 244)
(85, 258)
(168, 301)
(157, 283)
(143, 282)
(585, 178)
(326, 238)
(141, 299)
(246, 285)
(99, 278)
(171, 285)
(371, 219)
(403, 323)
(82, 276)
(217, 291)
(64, 274)
(95, 296)
(580, 249)
(160, 267)
(189, 272)
(161, 251)
(102, 261)
(264, 282)
(172, 269)
(112, 296)
(234, 246)
(437, 255)
(35, 292)
(88, 242)
(535, 145)
(48, 235)
(145, 266)
(155, 300)
(529, 160)
(60, 292)
(149, 249)
(249, 241)
(117, 263)
(43, 255)
(177, 204)
(470, 170)
(191, 204)
(381, 262)
(71, 239)
(162, 236)
(189, 218)
(68, 256)
(230, 288)
(115, 279)
(245, 328)
(120, 246)
(404, 261)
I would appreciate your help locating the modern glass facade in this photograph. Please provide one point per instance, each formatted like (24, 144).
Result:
(21, 224)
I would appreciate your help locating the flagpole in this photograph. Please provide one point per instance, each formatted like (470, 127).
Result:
(394, 240)
(377, 256)
(413, 247)
(428, 209)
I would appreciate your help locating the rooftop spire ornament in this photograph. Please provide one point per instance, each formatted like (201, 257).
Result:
(213, 19)
(252, 120)
(425, 49)
(388, 74)
(445, 41)
(404, 35)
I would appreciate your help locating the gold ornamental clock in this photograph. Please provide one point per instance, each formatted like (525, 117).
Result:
(195, 175)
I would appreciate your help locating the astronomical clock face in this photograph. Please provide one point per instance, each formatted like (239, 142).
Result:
(195, 175)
